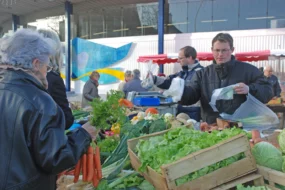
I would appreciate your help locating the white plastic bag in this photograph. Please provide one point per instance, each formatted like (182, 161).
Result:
(147, 74)
(252, 113)
(176, 89)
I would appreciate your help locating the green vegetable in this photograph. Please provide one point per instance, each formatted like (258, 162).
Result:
(268, 155)
(106, 113)
(241, 187)
(145, 185)
(178, 143)
(130, 181)
(108, 145)
(281, 140)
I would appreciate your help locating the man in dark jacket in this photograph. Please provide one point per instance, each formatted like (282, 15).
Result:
(268, 73)
(134, 84)
(33, 145)
(187, 59)
(225, 71)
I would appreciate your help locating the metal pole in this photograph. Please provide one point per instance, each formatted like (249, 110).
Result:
(160, 29)
(68, 12)
(16, 22)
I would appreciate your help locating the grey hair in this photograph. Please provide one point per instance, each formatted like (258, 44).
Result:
(136, 73)
(23, 47)
(128, 73)
(56, 61)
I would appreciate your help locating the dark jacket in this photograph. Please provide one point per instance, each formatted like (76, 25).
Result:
(215, 76)
(90, 91)
(185, 74)
(275, 85)
(33, 146)
(134, 85)
(56, 89)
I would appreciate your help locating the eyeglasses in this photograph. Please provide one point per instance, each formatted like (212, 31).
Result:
(49, 68)
(180, 58)
(222, 51)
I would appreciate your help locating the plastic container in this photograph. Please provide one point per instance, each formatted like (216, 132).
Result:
(146, 101)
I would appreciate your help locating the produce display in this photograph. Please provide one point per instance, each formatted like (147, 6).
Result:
(106, 165)
(179, 142)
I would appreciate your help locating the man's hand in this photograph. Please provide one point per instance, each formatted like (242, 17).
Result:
(91, 130)
(241, 88)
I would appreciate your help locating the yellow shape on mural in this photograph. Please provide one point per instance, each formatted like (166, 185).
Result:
(116, 73)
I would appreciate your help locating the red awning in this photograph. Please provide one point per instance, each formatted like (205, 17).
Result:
(171, 58)
(253, 56)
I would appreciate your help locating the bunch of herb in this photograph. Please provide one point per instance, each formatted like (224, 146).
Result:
(106, 113)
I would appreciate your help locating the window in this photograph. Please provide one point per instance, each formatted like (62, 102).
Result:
(253, 14)
(200, 16)
(177, 18)
(276, 11)
(225, 15)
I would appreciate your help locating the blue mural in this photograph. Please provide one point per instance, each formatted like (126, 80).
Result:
(89, 56)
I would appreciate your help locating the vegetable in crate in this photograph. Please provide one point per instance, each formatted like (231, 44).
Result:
(281, 140)
(178, 143)
(241, 187)
(105, 113)
(267, 155)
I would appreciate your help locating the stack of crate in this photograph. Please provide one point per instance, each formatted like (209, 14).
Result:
(236, 173)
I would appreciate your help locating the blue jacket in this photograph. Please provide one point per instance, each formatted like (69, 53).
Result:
(185, 74)
(273, 80)
(134, 85)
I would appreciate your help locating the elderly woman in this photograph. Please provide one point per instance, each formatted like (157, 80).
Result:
(56, 87)
(134, 84)
(33, 145)
(128, 77)
(90, 89)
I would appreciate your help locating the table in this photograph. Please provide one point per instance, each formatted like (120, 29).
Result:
(278, 108)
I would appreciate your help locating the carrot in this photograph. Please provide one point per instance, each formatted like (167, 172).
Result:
(84, 169)
(95, 179)
(255, 134)
(98, 162)
(77, 171)
(90, 166)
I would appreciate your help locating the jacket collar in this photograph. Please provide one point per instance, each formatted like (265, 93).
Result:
(224, 68)
(191, 67)
(19, 77)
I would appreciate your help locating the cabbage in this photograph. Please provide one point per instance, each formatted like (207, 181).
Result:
(281, 140)
(267, 155)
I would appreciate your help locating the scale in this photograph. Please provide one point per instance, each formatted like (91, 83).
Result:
(150, 98)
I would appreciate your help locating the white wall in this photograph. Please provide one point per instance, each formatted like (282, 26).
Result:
(244, 40)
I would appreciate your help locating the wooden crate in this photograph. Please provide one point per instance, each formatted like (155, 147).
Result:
(272, 178)
(196, 161)
(254, 178)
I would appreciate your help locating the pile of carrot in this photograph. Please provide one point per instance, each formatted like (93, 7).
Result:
(90, 167)
(256, 138)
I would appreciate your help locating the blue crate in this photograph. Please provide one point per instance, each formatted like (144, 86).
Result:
(146, 101)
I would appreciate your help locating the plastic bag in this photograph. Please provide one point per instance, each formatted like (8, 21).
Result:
(252, 113)
(148, 70)
(176, 89)
(148, 82)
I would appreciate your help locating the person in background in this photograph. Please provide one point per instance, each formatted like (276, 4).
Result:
(56, 87)
(128, 77)
(134, 84)
(268, 73)
(90, 89)
(189, 64)
(225, 71)
(33, 145)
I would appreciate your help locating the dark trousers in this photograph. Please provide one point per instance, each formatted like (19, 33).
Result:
(192, 112)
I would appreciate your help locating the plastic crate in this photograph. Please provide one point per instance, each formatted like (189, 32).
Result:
(146, 101)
